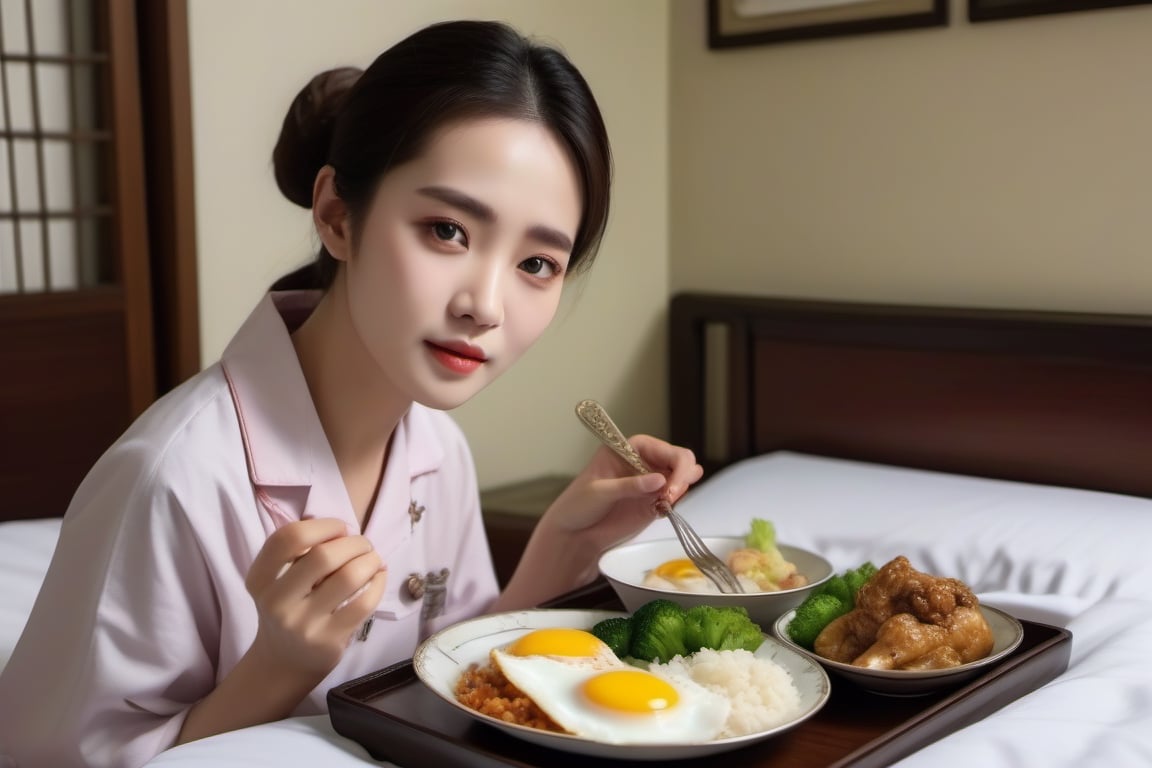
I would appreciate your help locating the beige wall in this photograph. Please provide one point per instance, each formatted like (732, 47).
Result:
(249, 59)
(1001, 164)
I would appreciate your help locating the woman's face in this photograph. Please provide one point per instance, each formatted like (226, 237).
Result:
(460, 262)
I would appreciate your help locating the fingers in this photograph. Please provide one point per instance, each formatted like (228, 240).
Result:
(351, 612)
(339, 580)
(329, 560)
(287, 545)
(651, 483)
(342, 587)
(677, 464)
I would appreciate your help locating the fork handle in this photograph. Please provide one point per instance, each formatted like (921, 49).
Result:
(600, 424)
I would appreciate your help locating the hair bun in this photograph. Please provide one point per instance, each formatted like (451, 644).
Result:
(302, 148)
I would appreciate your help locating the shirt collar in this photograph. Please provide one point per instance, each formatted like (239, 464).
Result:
(283, 438)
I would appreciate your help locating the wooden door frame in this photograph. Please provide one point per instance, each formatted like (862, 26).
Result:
(131, 232)
(166, 97)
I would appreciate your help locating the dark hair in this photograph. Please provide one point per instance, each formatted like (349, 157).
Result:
(365, 125)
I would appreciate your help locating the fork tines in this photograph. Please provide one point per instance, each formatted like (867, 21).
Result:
(710, 565)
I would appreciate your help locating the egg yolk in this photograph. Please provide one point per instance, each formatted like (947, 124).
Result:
(677, 569)
(557, 642)
(631, 690)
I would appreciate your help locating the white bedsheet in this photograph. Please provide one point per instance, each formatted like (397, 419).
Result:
(26, 548)
(1072, 558)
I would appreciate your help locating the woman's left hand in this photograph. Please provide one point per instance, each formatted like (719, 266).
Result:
(608, 502)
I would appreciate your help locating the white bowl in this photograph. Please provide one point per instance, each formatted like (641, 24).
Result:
(1007, 633)
(625, 567)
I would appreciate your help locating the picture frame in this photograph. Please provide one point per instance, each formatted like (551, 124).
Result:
(734, 23)
(994, 10)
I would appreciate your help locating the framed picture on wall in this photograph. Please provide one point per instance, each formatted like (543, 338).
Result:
(734, 23)
(990, 10)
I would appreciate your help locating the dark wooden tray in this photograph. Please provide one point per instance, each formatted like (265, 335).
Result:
(397, 719)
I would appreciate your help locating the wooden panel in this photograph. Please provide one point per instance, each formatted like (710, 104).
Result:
(1061, 422)
(64, 396)
(1049, 397)
(510, 515)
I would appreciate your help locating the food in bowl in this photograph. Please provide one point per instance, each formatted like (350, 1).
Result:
(831, 600)
(1007, 631)
(569, 681)
(625, 566)
(903, 619)
(759, 566)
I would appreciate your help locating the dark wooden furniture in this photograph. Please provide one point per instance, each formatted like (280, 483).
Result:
(510, 513)
(1045, 397)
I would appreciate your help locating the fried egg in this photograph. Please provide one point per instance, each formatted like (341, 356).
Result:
(682, 575)
(579, 683)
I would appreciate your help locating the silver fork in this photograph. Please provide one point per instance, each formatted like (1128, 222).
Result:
(600, 424)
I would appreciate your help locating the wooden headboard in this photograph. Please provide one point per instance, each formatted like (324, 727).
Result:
(1055, 398)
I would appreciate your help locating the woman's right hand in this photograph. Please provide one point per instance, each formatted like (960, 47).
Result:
(314, 586)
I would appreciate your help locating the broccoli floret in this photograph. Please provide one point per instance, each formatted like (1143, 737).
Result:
(658, 630)
(721, 629)
(661, 629)
(616, 632)
(856, 578)
(762, 536)
(812, 615)
(838, 587)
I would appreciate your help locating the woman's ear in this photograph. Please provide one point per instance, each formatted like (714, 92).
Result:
(330, 215)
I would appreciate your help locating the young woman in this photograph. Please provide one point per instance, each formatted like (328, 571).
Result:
(303, 512)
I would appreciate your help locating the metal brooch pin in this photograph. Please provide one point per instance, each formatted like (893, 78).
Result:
(415, 512)
(415, 586)
(435, 594)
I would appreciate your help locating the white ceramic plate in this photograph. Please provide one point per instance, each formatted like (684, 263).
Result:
(1006, 633)
(442, 658)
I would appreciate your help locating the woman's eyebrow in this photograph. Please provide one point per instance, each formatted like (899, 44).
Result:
(457, 199)
(552, 237)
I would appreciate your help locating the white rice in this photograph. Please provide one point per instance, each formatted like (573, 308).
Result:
(762, 693)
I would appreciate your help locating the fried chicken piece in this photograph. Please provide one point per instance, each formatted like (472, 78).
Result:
(847, 636)
(940, 657)
(899, 588)
(904, 618)
(903, 641)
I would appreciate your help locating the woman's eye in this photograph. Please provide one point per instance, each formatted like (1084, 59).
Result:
(447, 231)
(540, 266)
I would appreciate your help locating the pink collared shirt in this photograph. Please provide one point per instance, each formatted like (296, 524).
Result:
(144, 608)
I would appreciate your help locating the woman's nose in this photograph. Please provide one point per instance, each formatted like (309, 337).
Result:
(480, 298)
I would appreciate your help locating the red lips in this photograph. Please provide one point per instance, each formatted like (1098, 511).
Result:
(456, 356)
